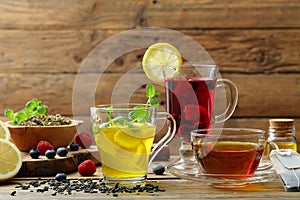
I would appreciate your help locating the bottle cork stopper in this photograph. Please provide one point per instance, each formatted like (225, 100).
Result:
(283, 122)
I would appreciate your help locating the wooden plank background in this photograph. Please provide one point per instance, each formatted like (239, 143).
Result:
(254, 43)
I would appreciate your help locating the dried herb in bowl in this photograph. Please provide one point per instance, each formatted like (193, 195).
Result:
(35, 114)
(46, 120)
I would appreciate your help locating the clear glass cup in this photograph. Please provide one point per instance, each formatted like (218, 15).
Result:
(190, 96)
(124, 134)
(229, 151)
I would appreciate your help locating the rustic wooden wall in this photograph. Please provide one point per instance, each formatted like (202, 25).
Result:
(255, 43)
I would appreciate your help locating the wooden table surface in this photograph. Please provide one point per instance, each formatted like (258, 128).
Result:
(174, 187)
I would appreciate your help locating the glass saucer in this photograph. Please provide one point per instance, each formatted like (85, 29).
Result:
(190, 171)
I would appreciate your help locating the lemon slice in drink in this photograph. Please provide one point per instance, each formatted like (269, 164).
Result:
(10, 159)
(4, 132)
(161, 56)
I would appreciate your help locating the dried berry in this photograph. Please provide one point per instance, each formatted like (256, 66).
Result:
(158, 169)
(50, 153)
(62, 151)
(34, 153)
(74, 146)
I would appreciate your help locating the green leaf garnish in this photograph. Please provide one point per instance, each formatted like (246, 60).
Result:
(150, 91)
(139, 114)
(108, 111)
(152, 94)
(32, 108)
(9, 113)
(41, 110)
(153, 102)
(21, 116)
(120, 120)
(96, 130)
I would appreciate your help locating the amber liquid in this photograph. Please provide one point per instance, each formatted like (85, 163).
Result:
(228, 157)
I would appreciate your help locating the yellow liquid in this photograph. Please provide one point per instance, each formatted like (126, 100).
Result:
(282, 145)
(124, 151)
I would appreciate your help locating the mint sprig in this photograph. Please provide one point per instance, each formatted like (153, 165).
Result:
(32, 108)
(152, 94)
(141, 115)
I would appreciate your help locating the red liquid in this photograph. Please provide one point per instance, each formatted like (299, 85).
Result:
(190, 101)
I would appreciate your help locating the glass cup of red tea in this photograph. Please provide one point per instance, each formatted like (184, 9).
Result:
(191, 98)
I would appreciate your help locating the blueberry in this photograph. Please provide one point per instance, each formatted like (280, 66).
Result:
(158, 169)
(34, 153)
(61, 176)
(50, 153)
(74, 146)
(62, 151)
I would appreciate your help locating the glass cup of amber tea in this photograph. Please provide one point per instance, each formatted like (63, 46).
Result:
(124, 135)
(228, 151)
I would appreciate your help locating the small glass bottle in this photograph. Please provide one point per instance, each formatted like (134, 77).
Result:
(282, 132)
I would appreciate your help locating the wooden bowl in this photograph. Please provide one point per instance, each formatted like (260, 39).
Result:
(27, 137)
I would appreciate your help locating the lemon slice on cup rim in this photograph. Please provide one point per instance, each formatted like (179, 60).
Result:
(10, 159)
(161, 58)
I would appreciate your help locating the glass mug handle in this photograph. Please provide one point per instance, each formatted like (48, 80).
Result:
(233, 98)
(268, 165)
(166, 138)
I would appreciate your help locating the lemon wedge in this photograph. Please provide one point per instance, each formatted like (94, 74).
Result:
(4, 132)
(160, 59)
(126, 141)
(10, 160)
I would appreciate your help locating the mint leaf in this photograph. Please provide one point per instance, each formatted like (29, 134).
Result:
(96, 130)
(135, 113)
(20, 116)
(140, 114)
(150, 90)
(31, 105)
(9, 113)
(120, 120)
(123, 121)
(108, 111)
(153, 102)
(32, 108)
(152, 94)
(42, 109)
(103, 125)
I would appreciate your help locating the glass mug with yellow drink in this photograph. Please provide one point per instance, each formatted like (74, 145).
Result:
(124, 134)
